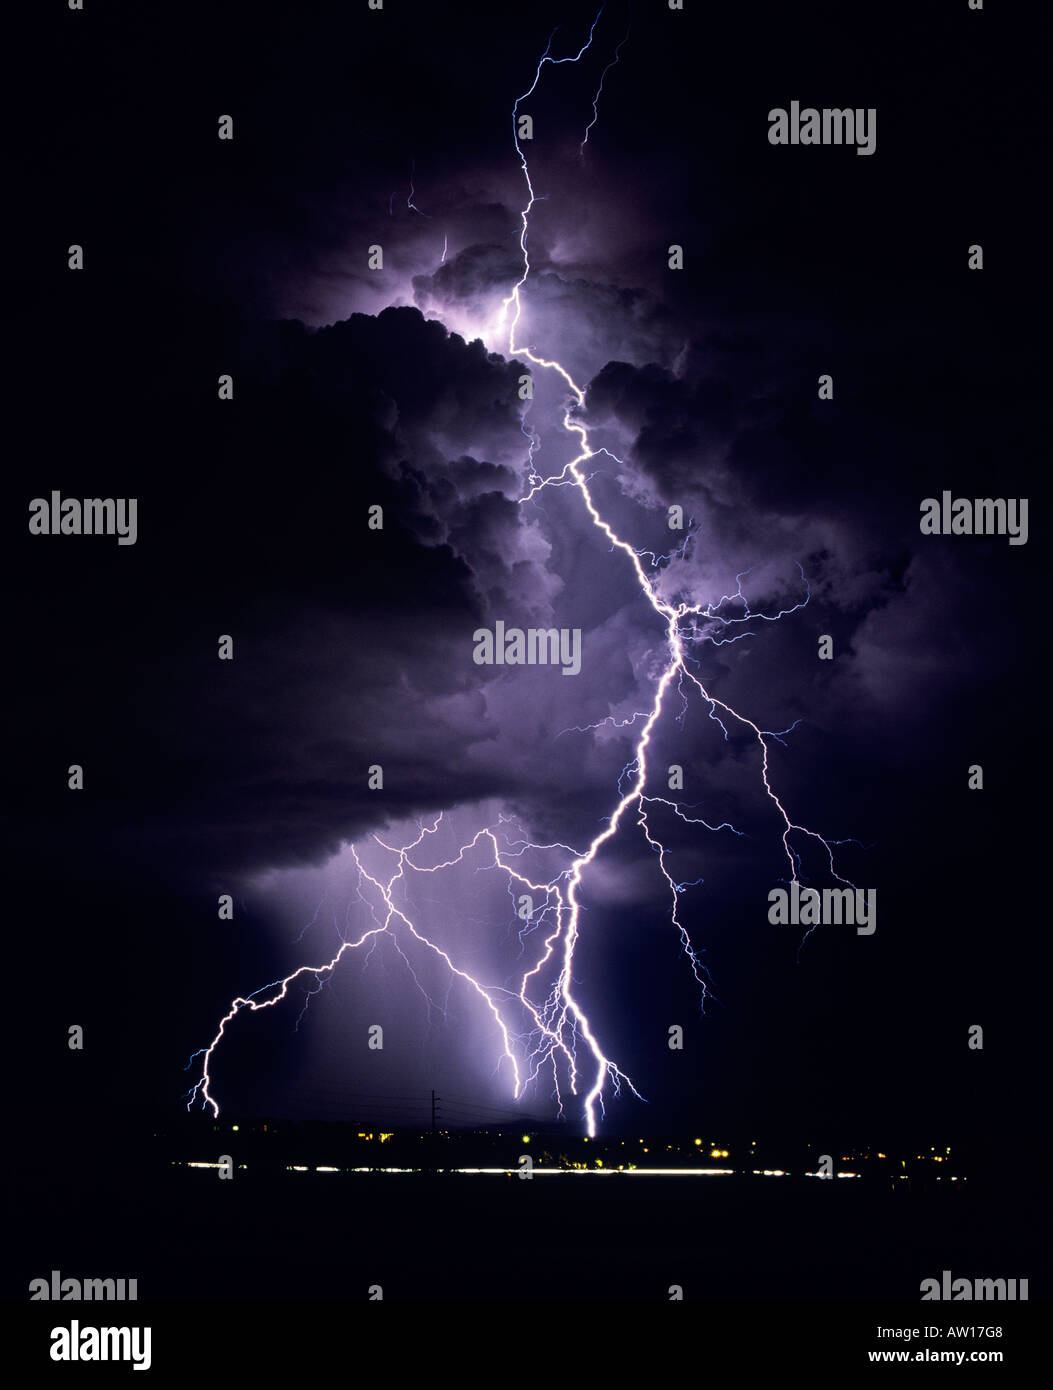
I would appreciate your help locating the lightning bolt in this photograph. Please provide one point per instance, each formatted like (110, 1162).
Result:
(540, 1026)
(599, 89)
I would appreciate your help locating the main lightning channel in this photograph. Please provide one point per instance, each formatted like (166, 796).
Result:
(671, 614)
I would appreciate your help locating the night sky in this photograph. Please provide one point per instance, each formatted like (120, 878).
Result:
(353, 647)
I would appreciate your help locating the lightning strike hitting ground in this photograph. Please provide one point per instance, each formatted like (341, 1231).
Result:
(541, 1027)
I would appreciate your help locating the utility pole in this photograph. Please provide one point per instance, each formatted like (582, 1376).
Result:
(434, 1107)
